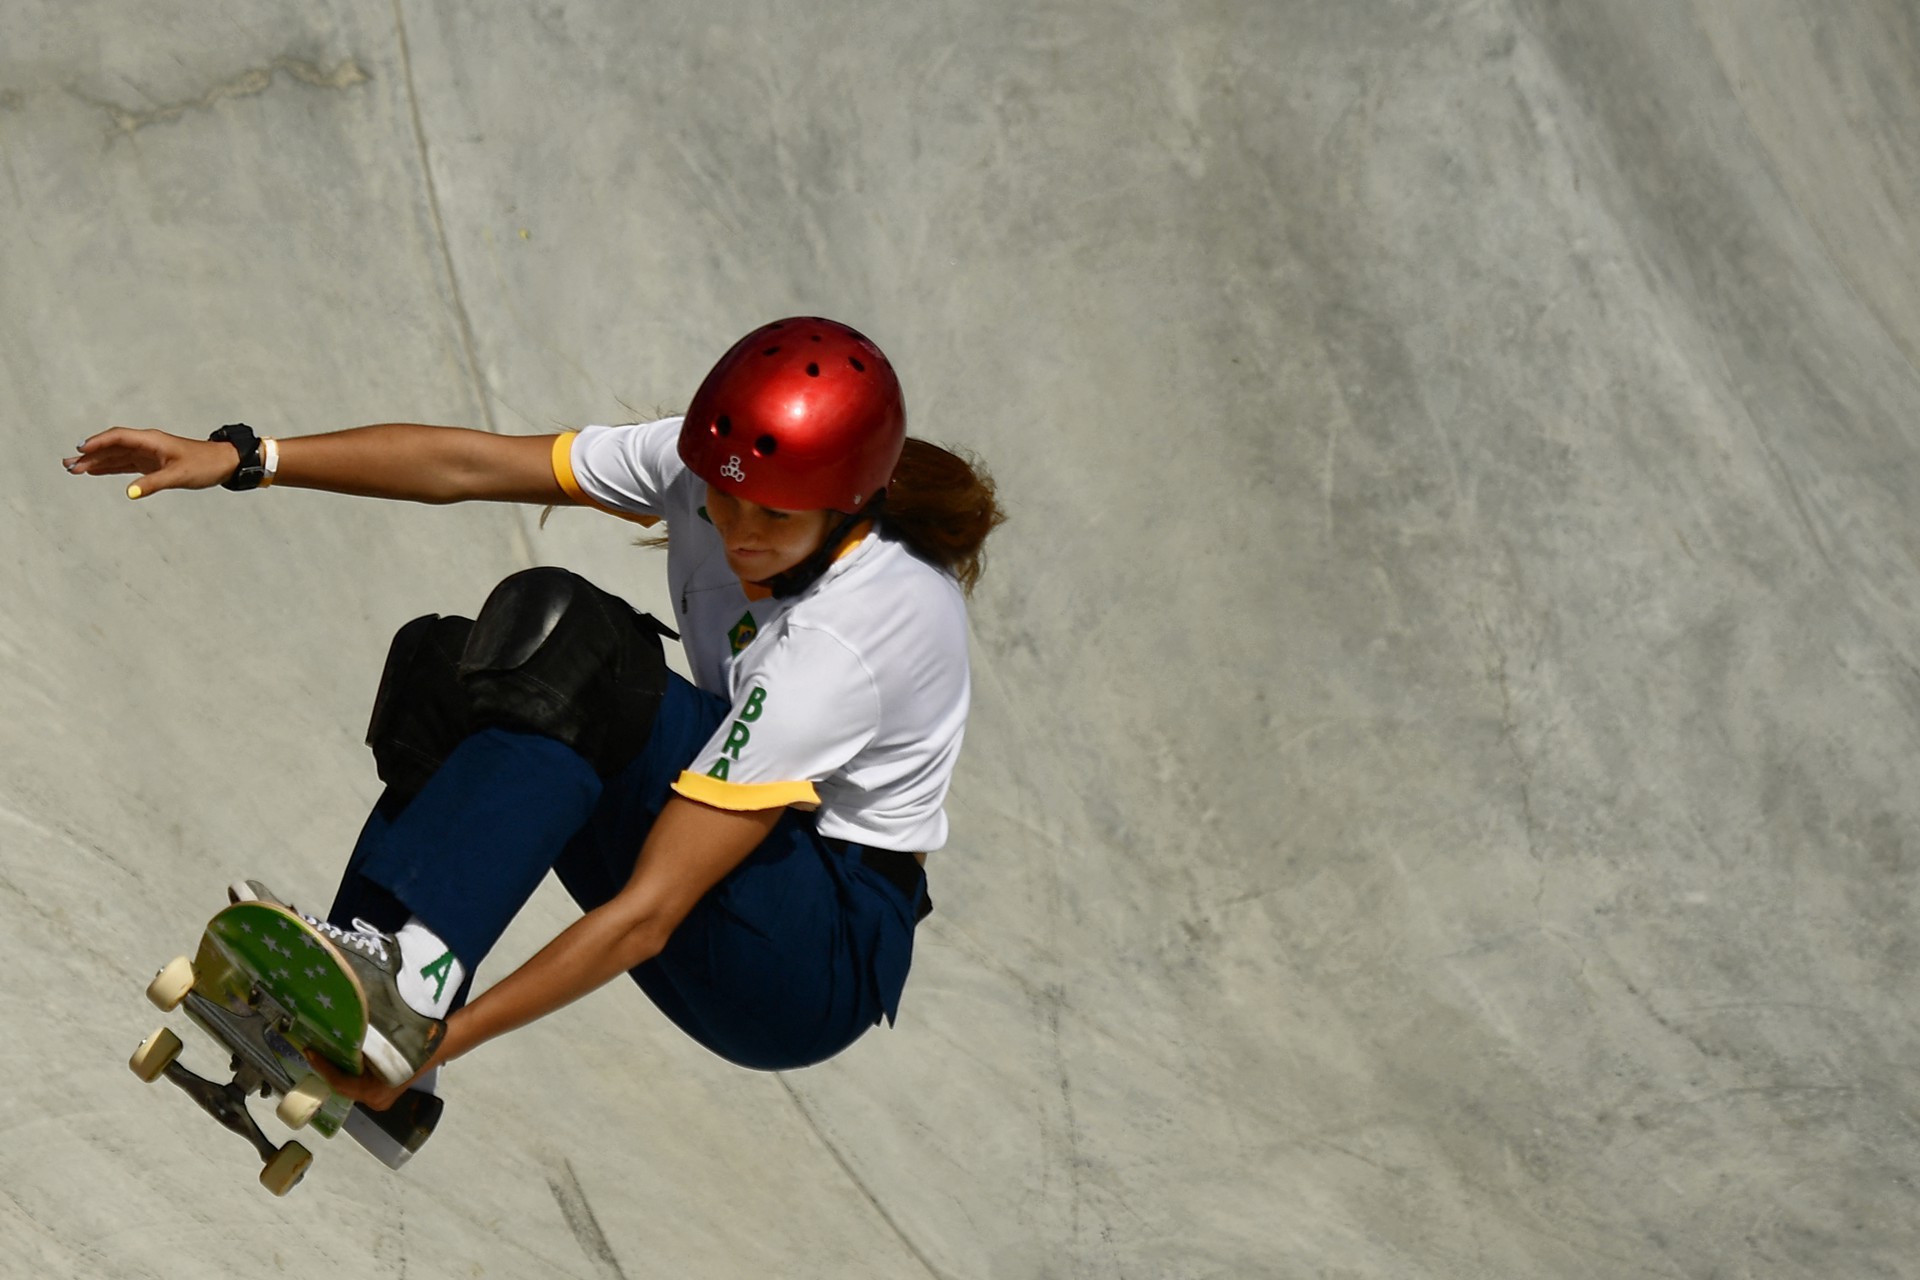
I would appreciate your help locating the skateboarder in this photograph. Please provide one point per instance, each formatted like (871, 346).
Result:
(748, 846)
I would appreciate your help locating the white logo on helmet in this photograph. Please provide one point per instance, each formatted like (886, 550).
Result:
(733, 470)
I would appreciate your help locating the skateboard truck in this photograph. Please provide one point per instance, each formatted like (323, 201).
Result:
(227, 1103)
(255, 1072)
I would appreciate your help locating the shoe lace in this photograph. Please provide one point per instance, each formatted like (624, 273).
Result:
(363, 937)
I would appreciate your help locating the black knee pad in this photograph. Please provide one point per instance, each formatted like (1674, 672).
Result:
(421, 712)
(553, 654)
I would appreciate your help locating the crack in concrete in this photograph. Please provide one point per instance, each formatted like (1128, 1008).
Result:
(469, 341)
(1054, 997)
(578, 1211)
(853, 1176)
(248, 84)
(1510, 738)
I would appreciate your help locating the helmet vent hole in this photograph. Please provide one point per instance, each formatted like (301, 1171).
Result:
(724, 427)
(771, 351)
(813, 370)
(765, 446)
(857, 366)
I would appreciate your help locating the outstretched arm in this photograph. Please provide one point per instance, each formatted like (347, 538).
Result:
(691, 847)
(395, 460)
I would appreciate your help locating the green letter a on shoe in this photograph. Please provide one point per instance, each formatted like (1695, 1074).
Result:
(438, 971)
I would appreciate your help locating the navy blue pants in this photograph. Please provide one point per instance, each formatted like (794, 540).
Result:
(784, 963)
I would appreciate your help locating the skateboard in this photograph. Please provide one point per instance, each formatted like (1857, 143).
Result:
(266, 986)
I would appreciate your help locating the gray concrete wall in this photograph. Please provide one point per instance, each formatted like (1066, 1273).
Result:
(1440, 795)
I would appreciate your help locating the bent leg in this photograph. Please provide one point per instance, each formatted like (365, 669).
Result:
(786, 961)
(493, 738)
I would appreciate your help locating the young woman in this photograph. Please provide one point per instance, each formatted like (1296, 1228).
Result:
(750, 846)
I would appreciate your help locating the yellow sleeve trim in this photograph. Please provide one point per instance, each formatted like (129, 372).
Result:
(746, 797)
(570, 483)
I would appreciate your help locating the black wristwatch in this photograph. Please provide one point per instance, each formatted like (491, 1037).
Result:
(252, 470)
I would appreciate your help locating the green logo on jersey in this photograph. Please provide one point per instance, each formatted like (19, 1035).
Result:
(743, 632)
(739, 735)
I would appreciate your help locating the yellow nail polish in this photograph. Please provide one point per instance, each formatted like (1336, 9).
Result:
(133, 491)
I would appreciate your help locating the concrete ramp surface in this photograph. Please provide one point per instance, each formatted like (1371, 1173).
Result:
(1441, 795)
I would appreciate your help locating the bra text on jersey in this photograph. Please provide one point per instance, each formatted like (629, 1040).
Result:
(739, 735)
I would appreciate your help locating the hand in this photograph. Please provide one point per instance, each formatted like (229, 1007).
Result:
(159, 460)
(366, 1088)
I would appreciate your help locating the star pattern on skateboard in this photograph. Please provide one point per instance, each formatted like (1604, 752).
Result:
(304, 980)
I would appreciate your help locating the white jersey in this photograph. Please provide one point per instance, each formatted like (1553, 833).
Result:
(850, 697)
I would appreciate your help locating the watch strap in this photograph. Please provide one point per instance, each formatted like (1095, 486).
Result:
(251, 470)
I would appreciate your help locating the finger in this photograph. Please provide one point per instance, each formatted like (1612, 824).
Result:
(170, 474)
(86, 457)
(117, 451)
(109, 460)
(111, 438)
(365, 1088)
(327, 1071)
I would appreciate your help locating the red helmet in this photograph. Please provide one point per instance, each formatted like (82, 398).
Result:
(802, 414)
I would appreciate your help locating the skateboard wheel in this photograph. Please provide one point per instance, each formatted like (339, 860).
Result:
(170, 986)
(154, 1054)
(303, 1102)
(284, 1171)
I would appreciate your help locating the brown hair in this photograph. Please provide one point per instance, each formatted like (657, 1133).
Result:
(942, 505)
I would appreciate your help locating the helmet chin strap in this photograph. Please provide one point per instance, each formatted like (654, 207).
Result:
(791, 582)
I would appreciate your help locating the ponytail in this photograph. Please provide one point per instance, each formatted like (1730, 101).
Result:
(941, 505)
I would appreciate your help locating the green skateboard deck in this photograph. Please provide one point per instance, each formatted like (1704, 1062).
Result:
(257, 957)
